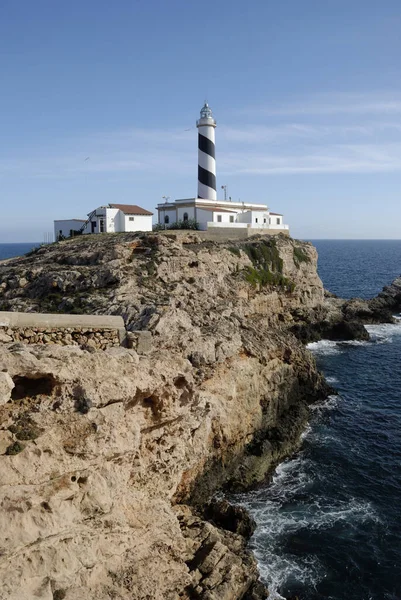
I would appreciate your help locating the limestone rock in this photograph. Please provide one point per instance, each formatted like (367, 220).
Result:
(6, 387)
(4, 337)
(116, 451)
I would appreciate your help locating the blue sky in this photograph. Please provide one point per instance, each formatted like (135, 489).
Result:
(306, 94)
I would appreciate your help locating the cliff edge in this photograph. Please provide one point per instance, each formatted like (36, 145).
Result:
(109, 458)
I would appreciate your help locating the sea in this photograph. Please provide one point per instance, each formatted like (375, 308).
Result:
(12, 250)
(329, 523)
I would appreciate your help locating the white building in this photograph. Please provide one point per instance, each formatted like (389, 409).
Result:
(206, 210)
(67, 227)
(107, 219)
(211, 214)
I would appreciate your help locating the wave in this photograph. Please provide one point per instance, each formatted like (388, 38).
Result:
(379, 334)
(384, 333)
(329, 403)
(324, 347)
(283, 518)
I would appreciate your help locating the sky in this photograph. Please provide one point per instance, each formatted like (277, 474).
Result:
(99, 99)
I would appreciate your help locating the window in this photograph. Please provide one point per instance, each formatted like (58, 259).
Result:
(256, 220)
(131, 218)
(185, 217)
(231, 218)
(166, 219)
(278, 220)
(219, 218)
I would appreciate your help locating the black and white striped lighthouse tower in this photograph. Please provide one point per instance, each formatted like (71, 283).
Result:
(206, 154)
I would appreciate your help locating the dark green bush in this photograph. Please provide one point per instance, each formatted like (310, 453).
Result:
(300, 256)
(188, 224)
(264, 254)
(14, 448)
(264, 277)
(267, 266)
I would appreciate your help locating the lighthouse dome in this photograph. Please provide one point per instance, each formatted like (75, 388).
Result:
(206, 112)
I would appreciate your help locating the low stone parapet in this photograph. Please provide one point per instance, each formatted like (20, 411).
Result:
(96, 331)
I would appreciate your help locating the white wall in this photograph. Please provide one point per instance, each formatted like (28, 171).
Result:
(223, 217)
(190, 210)
(138, 222)
(260, 218)
(111, 220)
(65, 227)
(203, 216)
(171, 212)
(244, 217)
(276, 219)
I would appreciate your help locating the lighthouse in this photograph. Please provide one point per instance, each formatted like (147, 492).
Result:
(206, 154)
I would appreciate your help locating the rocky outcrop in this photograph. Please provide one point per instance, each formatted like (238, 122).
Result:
(109, 458)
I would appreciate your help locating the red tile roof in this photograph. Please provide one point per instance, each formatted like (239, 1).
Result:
(131, 209)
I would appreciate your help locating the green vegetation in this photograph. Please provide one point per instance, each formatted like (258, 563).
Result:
(267, 266)
(264, 254)
(264, 277)
(14, 448)
(34, 250)
(25, 429)
(300, 256)
(188, 224)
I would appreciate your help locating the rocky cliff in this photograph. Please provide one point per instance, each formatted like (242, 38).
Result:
(109, 457)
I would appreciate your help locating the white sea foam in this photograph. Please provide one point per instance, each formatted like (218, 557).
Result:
(324, 347)
(384, 333)
(379, 334)
(282, 521)
(329, 403)
(307, 431)
(281, 517)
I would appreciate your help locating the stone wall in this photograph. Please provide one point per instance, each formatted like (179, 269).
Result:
(91, 337)
(96, 331)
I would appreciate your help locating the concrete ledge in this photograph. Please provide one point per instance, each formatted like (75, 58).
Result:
(19, 319)
(60, 321)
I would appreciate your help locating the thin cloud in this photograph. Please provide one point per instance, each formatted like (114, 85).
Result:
(312, 144)
(332, 104)
(332, 159)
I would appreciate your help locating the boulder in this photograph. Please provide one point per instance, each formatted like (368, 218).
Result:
(6, 387)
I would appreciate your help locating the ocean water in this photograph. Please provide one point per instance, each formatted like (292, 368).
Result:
(11, 250)
(329, 524)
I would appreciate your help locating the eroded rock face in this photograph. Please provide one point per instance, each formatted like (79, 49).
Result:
(108, 457)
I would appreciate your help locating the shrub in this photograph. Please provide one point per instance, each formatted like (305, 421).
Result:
(264, 277)
(267, 266)
(14, 448)
(265, 254)
(300, 256)
(188, 224)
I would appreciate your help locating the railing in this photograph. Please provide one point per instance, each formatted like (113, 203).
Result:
(82, 229)
(212, 224)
